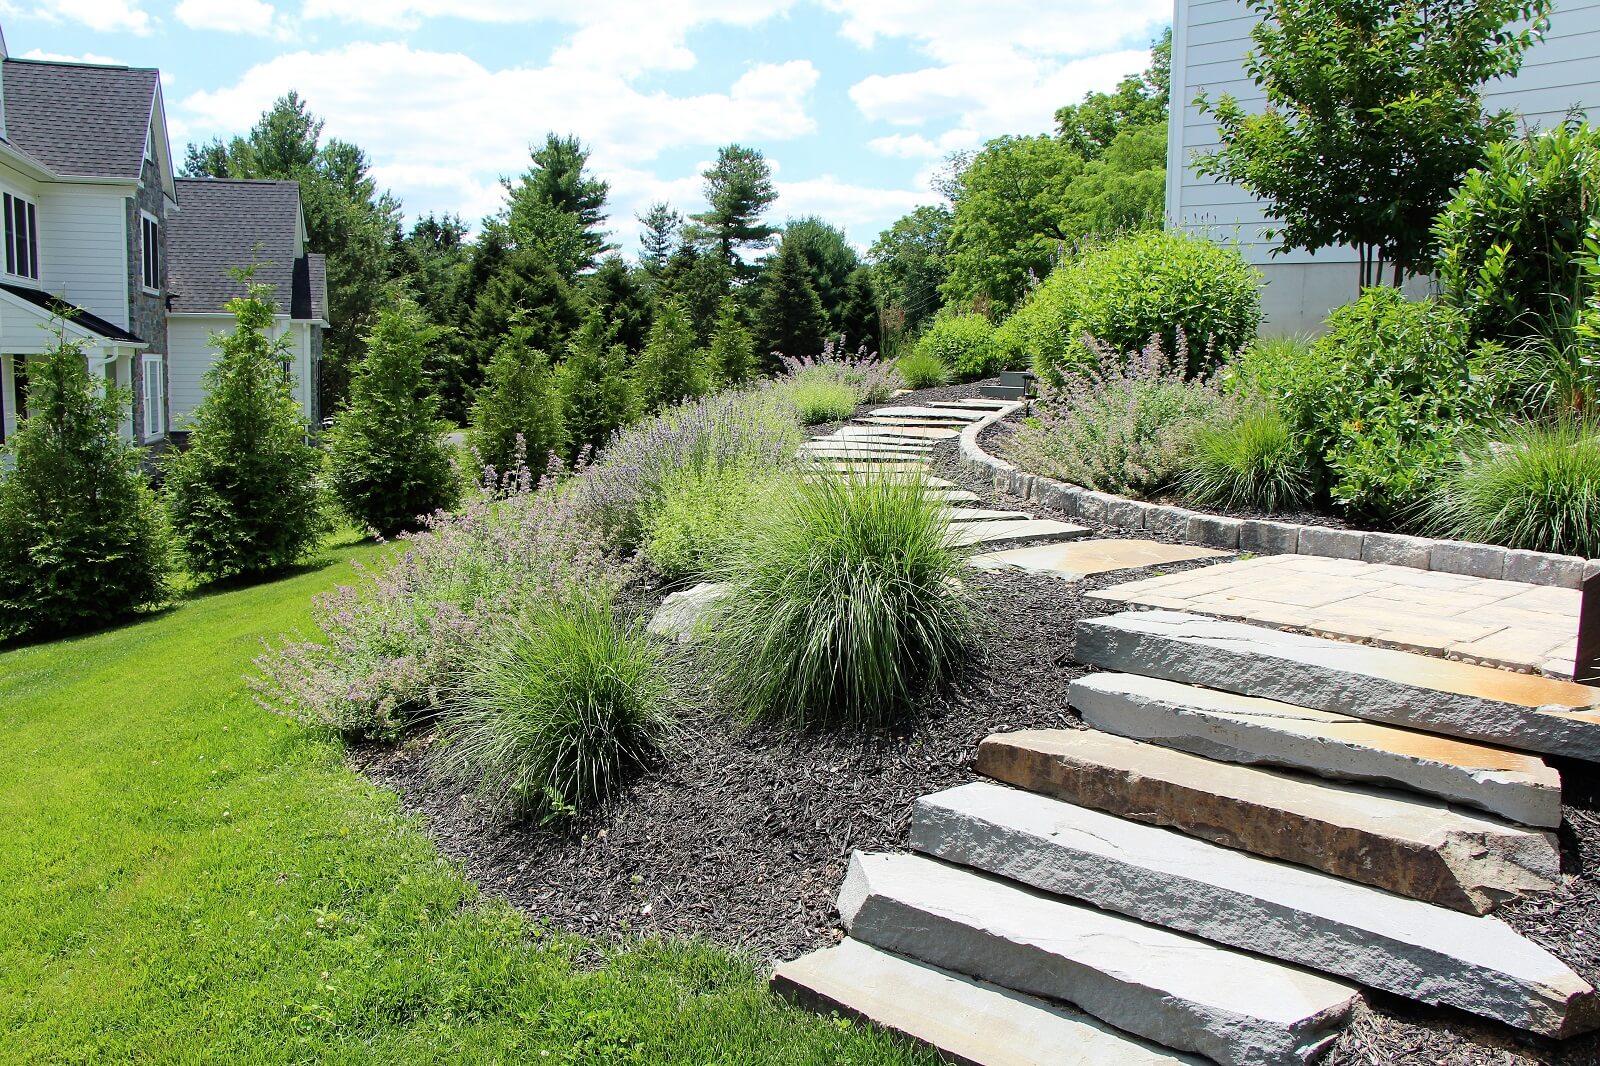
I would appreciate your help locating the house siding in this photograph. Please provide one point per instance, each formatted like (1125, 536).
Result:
(1210, 41)
(82, 257)
(147, 312)
(191, 354)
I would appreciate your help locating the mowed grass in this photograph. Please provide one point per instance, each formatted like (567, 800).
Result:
(185, 878)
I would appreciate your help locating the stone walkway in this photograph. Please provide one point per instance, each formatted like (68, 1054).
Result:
(1497, 623)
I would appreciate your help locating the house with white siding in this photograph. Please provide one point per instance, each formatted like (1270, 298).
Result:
(103, 241)
(1210, 39)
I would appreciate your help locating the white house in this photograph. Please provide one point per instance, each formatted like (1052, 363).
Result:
(100, 234)
(1210, 39)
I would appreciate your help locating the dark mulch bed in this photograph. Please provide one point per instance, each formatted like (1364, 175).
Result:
(742, 833)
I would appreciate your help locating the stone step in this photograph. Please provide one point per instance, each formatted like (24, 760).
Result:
(863, 454)
(966, 1021)
(926, 480)
(1079, 559)
(950, 496)
(1409, 845)
(983, 514)
(916, 444)
(950, 414)
(1176, 990)
(1416, 691)
(920, 432)
(1403, 946)
(861, 467)
(977, 403)
(1260, 732)
(955, 425)
(1004, 392)
(970, 533)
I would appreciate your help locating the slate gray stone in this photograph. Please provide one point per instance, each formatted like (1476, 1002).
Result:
(1126, 514)
(1330, 543)
(1214, 531)
(680, 614)
(1261, 732)
(1170, 520)
(1468, 559)
(1520, 711)
(1542, 568)
(1409, 845)
(1173, 989)
(1395, 550)
(1093, 506)
(1269, 538)
(1403, 946)
(966, 1021)
(1063, 498)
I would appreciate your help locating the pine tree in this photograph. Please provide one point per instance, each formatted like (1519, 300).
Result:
(659, 237)
(555, 183)
(82, 538)
(738, 188)
(596, 397)
(519, 400)
(524, 292)
(670, 368)
(244, 497)
(732, 357)
(790, 320)
(386, 453)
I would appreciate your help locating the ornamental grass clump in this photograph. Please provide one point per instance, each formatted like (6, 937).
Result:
(922, 370)
(829, 387)
(1252, 461)
(1125, 425)
(550, 717)
(1536, 487)
(845, 604)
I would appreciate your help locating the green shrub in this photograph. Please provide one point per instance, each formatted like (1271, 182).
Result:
(596, 396)
(922, 370)
(671, 368)
(1512, 241)
(1011, 344)
(1536, 486)
(1128, 289)
(1383, 398)
(1125, 427)
(517, 418)
(846, 603)
(1269, 368)
(701, 513)
(387, 457)
(550, 718)
(819, 386)
(82, 539)
(818, 399)
(964, 343)
(1253, 460)
(245, 496)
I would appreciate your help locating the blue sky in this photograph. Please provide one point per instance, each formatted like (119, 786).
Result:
(855, 102)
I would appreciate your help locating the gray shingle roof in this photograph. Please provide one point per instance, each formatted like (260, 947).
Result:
(77, 119)
(72, 312)
(222, 223)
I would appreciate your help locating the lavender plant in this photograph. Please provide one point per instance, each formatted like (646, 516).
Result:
(868, 378)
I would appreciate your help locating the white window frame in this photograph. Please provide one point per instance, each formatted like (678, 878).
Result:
(22, 249)
(155, 398)
(149, 253)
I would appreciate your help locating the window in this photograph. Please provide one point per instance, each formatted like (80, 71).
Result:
(154, 393)
(22, 238)
(150, 242)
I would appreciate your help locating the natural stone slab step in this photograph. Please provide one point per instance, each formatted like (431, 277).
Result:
(926, 480)
(916, 444)
(1246, 729)
(966, 534)
(976, 403)
(955, 425)
(922, 432)
(947, 413)
(1417, 691)
(966, 1021)
(1173, 989)
(948, 496)
(1080, 559)
(1406, 844)
(1400, 945)
(867, 455)
(981, 514)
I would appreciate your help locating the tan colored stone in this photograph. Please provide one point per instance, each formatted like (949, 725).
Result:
(984, 514)
(956, 425)
(1082, 558)
(1408, 845)
(965, 534)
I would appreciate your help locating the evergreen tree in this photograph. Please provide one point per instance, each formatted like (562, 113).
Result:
(244, 497)
(618, 293)
(858, 315)
(528, 294)
(386, 452)
(519, 402)
(437, 262)
(660, 237)
(556, 182)
(669, 369)
(732, 357)
(738, 188)
(82, 539)
(830, 261)
(596, 397)
(789, 319)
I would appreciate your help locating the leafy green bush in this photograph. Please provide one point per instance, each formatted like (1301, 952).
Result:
(922, 370)
(964, 343)
(1128, 289)
(819, 387)
(596, 396)
(245, 497)
(671, 368)
(846, 602)
(517, 418)
(1126, 426)
(1512, 241)
(1383, 398)
(1011, 343)
(1535, 486)
(387, 456)
(82, 539)
(1252, 461)
(817, 399)
(1269, 368)
(549, 718)
(701, 513)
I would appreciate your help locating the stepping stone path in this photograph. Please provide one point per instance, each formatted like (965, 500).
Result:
(1257, 825)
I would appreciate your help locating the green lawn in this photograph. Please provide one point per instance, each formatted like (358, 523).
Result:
(187, 878)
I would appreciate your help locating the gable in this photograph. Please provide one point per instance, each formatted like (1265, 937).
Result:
(80, 120)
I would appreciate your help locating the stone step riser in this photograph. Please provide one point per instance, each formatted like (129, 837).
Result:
(1416, 692)
(1259, 732)
(1404, 844)
(1402, 946)
(1177, 991)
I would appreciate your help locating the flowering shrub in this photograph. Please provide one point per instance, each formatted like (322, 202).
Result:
(870, 379)
(1124, 424)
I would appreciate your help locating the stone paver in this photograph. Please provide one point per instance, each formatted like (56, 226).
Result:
(960, 414)
(966, 534)
(1082, 558)
(885, 426)
(955, 424)
(1482, 620)
(984, 514)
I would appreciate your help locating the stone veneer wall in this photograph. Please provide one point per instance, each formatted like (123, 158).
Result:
(1276, 538)
(147, 314)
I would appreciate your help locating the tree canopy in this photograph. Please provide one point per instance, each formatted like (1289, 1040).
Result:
(738, 188)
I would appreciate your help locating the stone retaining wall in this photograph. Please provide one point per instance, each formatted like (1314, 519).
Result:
(1275, 538)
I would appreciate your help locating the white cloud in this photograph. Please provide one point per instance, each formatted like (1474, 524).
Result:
(858, 209)
(57, 57)
(254, 17)
(107, 16)
(916, 146)
(958, 31)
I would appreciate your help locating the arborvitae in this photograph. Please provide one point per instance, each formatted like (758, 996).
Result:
(669, 368)
(596, 398)
(790, 320)
(519, 399)
(386, 451)
(732, 357)
(82, 538)
(245, 496)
